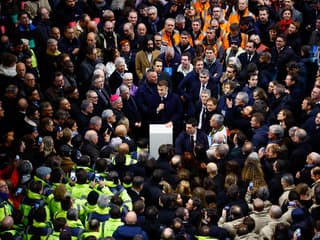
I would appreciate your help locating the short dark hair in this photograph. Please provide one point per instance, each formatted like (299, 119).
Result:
(163, 83)
(192, 121)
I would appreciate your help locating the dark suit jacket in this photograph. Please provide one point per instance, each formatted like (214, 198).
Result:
(183, 142)
(103, 100)
(195, 90)
(131, 111)
(144, 93)
(243, 57)
(115, 81)
(171, 112)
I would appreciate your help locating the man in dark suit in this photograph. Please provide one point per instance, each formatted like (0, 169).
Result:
(165, 107)
(205, 83)
(250, 56)
(103, 95)
(115, 79)
(188, 139)
(108, 120)
(146, 91)
(130, 110)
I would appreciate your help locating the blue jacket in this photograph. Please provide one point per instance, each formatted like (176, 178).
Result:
(127, 232)
(144, 93)
(183, 142)
(260, 137)
(171, 112)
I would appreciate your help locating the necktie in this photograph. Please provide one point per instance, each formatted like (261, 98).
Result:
(202, 117)
(192, 142)
(203, 87)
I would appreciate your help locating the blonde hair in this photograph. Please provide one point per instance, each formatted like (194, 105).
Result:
(184, 188)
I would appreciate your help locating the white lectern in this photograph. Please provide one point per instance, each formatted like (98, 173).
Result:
(159, 134)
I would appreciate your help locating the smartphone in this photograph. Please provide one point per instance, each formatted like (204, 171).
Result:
(97, 177)
(298, 232)
(73, 175)
(40, 140)
(18, 158)
(251, 186)
(19, 191)
(78, 154)
(226, 208)
(292, 203)
(59, 129)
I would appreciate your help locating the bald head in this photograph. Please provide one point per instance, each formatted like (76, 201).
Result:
(121, 130)
(275, 212)
(212, 168)
(7, 223)
(92, 26)
(167, 233)
(258, 204)
(131, 218)
(123, 148)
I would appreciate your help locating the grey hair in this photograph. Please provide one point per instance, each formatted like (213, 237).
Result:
(85, 104)
(127, 75)
(205, 72)
(180, 18)
(315, 157)
(51, 41)
(244, 97)
(106, 113)
(288, 178)
(218, 118)
(98, 71)
(95, 120)
(219, 138)
(222, 150)
(277, 130)
(292, 131)
(89, 92)
(170, 19)
(123, 88)
(89, 135)
(101, 66)
(119, 60)
(152, 8)
(206, 91)
(103, 201)
(301, 134)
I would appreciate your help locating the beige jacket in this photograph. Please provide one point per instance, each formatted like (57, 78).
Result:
(32, 7)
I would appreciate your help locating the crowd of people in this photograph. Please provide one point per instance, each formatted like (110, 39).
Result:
(237, 81)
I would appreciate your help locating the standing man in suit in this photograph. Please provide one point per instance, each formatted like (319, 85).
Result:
(188, 139)
(205, 82)
(250, 55)
(166, 107)
(98, 85)
(146, 91)
(115, 79)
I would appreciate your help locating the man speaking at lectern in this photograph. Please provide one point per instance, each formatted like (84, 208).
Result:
(166, 108)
